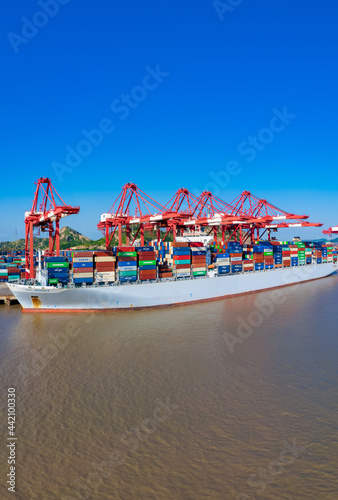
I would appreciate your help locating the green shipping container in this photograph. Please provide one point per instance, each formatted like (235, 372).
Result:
(127, 254)
(53, 281)
(128, 273)
(199, 273)
(148, 262)
(57, 264)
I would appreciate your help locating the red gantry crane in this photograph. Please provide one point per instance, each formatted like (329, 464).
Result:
(186, 211)
(331, 231)
(131, 198)
(48, 208)
(263, 215)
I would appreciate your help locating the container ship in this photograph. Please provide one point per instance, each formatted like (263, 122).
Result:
(169, 274)
(193, 267)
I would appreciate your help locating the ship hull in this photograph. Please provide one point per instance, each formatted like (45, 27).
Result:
(162, 293)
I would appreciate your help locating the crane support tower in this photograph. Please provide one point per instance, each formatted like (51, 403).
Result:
(47, 209)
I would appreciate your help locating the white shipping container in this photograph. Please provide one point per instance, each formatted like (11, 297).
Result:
(105, 259)
(236, 259)
(195, 269)
(82, 275)
(127, 268)
(105, 274)
(83, 259)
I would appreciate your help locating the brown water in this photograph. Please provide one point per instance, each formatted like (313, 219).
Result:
(91, 395)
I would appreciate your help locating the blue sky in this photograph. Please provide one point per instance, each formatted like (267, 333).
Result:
(177, 90)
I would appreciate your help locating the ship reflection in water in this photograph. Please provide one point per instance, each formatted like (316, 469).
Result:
(235, 399)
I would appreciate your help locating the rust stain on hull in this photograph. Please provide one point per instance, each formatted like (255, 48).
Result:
(36, 302)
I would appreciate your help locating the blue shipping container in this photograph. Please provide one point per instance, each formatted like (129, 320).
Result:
(223, 269)
(83, 280)
(82, 264)
(123, 279)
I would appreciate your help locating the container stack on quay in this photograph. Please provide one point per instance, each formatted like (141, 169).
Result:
(12, 267)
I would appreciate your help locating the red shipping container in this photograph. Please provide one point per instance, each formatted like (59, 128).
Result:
(79, 270)
(105, 267)
(146, 255)
(104, 253)
(83, 254)
(182, 266)
(148, 274)
(177, 244)
(181, 257)
(125, 249)
(127, 259)
(13, 270)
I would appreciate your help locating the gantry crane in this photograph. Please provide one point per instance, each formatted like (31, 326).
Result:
(331, 231)
(243, 217)
(47, 208)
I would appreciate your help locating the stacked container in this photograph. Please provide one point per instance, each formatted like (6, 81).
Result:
(258, 257)
(161, 249)
(198, 260)
(222, 262)
(268, 257)
(164, 271)
(277, 250)
(13, 273)
(126, 264)
(147, 264)
(104, 267)
(286, 254)
(83, 267)
(236, 256)
(248, 265)
(3, 275)
(308, 255)
(301, 254)
(179, 258)
(294, 255)
(57, 270)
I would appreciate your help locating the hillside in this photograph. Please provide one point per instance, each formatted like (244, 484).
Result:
(69, 238)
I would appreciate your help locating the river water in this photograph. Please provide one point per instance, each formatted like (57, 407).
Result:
(234, 399)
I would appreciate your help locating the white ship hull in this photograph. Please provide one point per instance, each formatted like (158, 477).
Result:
(163, 293)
